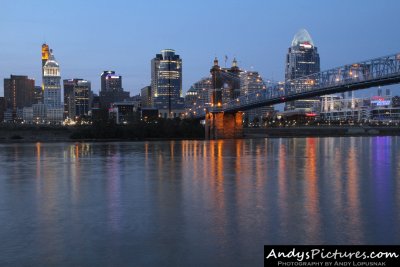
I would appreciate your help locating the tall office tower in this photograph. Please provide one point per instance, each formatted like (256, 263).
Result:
(52, 90)
(166, 83)
(52, 83)
(68, 86)
(111, 89)
(18, 93)
(110, 82)
(80, 98)
(302, 59)
(77, 98)
(145, 93)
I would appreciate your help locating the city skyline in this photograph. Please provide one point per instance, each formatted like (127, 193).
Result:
(198, 33)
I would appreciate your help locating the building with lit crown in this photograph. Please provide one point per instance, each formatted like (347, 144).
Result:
(302, 59)
(45, 57)
(166, 84)
(52, 90)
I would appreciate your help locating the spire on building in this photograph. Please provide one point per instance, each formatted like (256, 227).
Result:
(234, 62)
(215, 61)
(302, 37)
(51, 62)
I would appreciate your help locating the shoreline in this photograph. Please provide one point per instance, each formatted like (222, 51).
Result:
(59, 135)
(322, 131)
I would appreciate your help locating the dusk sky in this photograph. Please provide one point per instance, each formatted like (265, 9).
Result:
(91, 36)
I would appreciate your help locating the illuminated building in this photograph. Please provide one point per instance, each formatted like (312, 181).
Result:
(302, 59)
(52, 90)
(191, 98)
(111, 89)
(145, 93)
(52, 83)
(199, 93)
(198, 96)
(111, 82)
(251, 82)
(81, 99)
(125, 112)
(45, 55)
(376, 108)
(68, 86)
(18, 93)
(166, 83)
(76, 98)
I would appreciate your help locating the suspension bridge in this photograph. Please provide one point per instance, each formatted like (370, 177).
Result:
(224, 120)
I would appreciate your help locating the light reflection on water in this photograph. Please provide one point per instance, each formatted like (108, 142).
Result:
(211, 203)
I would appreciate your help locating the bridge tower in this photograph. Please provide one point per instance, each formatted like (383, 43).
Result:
(222, 125)
(225, 87)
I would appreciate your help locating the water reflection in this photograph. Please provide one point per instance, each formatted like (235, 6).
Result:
(214, 202)
(353, 212)
(311, 193)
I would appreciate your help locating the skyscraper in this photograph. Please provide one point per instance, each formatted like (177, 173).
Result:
(111, 82)
(166, 83)
(302, 59)
(146, 96)
(52, 83)
(68, 86)
(76, 98)
(80, 99)
(18, 93)
(52, 90)
(111, 89)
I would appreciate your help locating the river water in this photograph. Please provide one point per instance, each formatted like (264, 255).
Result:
(193, 203)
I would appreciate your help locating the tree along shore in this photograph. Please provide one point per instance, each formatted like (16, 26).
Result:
(157, 129)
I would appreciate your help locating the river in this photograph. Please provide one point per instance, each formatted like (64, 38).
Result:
(193, 203)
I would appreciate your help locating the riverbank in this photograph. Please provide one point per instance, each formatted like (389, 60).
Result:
(322, 131)
(22, 134)
(32, 134)
(103, 132)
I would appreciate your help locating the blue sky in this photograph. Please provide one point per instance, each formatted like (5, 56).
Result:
(94, 35)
